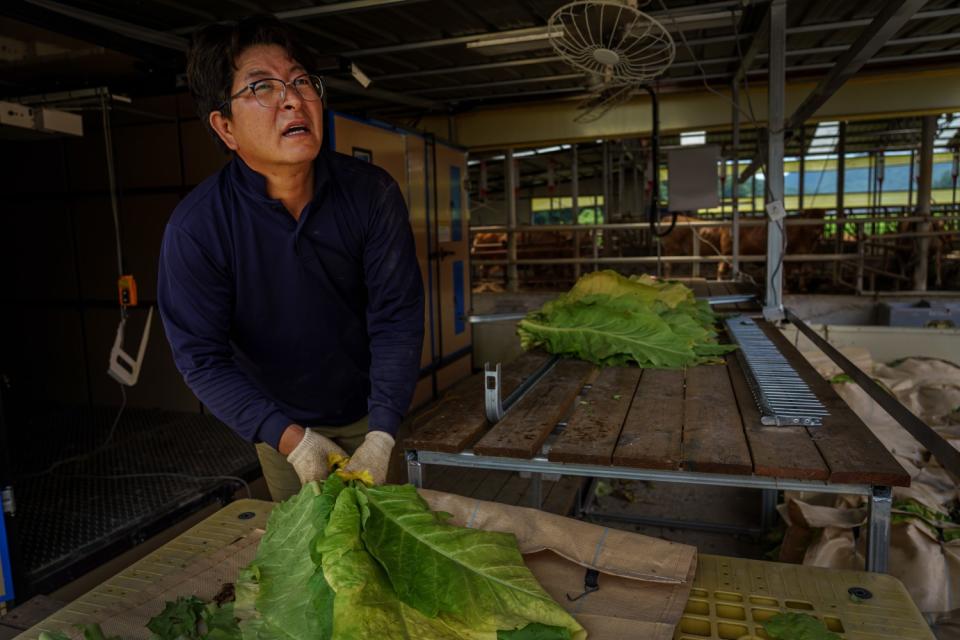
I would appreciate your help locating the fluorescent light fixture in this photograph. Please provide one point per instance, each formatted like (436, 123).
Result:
(688, 138)
(525, 154)
(514, 40)
(695, 21)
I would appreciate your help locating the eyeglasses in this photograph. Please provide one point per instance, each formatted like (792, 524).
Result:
(272, 92)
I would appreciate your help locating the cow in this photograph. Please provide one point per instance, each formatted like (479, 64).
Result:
(801, 239)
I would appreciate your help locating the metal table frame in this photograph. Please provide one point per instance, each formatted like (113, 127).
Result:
(879, 497)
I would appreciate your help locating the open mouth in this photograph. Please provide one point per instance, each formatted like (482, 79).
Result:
(296, 129)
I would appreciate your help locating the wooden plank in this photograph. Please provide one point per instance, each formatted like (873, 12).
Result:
(699, 287)
(653, 429)
(851, 451)
(594, 426)
(515, 491)
(458, 418)
(780, 452)
(563, 496)
(525, 427)
(459, 480)
(713, 437)
(491, 485)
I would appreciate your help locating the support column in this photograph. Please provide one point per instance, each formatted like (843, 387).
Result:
(575, 205)
(841, 187)
(511, 197)
(773, 301)
(606, 204)
(735, 180)
(927, 134)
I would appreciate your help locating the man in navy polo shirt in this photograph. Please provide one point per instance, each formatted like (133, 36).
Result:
(289, 286)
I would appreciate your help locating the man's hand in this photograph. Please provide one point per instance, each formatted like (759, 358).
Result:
(373, 456)
(310, 457)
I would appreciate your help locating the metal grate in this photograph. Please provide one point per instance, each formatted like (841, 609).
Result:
(781, 394)
(157, 464)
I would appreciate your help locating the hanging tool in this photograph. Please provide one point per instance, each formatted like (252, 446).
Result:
(124, 368)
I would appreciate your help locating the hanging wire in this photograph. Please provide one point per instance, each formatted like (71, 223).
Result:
(753, 120)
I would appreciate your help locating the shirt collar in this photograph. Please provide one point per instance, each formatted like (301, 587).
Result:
(254, 184)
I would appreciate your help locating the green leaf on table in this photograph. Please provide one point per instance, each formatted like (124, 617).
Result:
(797, 626)
(473, 579)
(366, 605)
(179, 619)
(283, 592)
(535, 631)
(611, 320)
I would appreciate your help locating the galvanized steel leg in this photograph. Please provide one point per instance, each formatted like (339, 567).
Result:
(768, 508)
(878, 540)
(536, 490)
(414, 470)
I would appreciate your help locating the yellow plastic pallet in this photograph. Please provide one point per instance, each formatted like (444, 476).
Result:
(732, 598)
(234, 521)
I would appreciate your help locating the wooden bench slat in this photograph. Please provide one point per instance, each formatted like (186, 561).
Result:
(653, 429)
(781, 452)
(459, 417)
(525, 427)
(851, 451)
(594, 426)
(713, 437)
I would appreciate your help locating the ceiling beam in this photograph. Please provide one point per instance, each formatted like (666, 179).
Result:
(179, 43)
(760, 39)
(339, 7)
(522, 62)
(892, 17)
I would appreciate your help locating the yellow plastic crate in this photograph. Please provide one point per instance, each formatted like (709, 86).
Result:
(732, 598)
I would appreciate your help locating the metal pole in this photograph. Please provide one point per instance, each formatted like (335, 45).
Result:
(803, 167)
(927, 133)
(773, 302)
(735, 181)
(841, 187)
(606, 204)
(911, 178)
(511, 196)
(575, 205)
(878, 538)
(620, 182)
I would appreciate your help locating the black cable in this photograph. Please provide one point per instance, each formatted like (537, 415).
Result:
(90, 454)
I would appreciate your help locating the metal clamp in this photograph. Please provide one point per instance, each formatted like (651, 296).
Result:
(494, 405)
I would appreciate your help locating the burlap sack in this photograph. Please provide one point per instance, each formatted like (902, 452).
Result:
(921, 554)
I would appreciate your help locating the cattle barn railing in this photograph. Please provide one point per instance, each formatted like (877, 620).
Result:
(860, 259)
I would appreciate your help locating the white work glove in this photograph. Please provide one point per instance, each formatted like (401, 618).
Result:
(310, 458)
(373, 456)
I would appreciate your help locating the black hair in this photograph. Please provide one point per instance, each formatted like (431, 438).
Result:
(212, 60)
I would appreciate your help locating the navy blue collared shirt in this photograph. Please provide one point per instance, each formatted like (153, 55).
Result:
(275, 321)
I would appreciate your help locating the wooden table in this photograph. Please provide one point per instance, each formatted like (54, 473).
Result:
(696, 426)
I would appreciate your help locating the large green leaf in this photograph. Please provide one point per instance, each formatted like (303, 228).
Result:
(473, 579)
(366, 605)
(596, 333)
(283, 593)
(611, 320)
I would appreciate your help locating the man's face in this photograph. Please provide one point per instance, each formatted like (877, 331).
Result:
(270, 138)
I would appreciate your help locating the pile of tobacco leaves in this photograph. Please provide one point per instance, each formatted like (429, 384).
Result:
(347, 560)
(612, 320)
